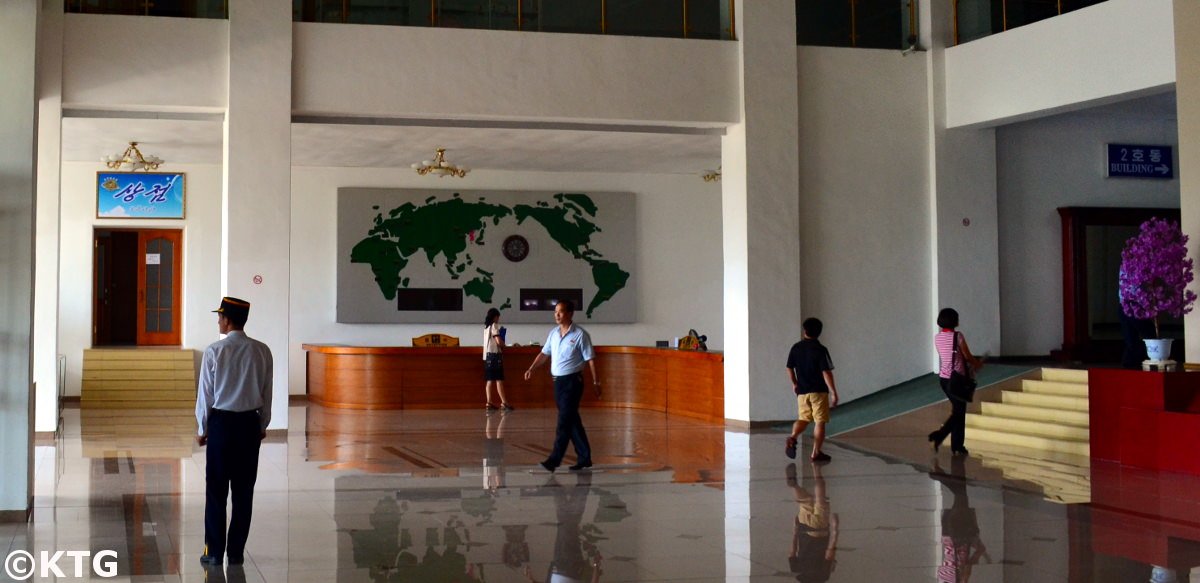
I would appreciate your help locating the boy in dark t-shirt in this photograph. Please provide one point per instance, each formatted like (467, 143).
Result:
(811, 372)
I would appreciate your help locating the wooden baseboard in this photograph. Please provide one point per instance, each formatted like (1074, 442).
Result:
(16, 515)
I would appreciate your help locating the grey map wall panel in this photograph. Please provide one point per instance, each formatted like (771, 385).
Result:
(416, 239)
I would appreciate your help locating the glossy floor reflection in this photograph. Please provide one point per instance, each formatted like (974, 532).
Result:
(451, 496)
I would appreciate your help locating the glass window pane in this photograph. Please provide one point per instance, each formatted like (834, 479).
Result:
(704, 19)
(581, 16)
(164, 274)
(166, 297)
(152, 275)
(878, 24)
(151, 298)
(823, 23)
(151, 320)
(645, 17)
(975, 20)
(485, 14)
(164, 321)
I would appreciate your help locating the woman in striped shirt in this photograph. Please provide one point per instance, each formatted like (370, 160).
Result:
(954, 356)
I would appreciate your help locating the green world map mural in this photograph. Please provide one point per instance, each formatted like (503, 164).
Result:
(459, 236)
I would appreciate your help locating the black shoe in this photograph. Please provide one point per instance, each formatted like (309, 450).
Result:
(506, 408)
(789, 448)
(210, 560)
(958, 451)
(234, 561)
(821, 457)
(934, 441)
(547, 466)
(581, 465)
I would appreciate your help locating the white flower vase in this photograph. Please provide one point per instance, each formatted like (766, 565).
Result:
(1158, 349)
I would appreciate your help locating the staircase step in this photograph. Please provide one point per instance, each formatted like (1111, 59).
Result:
(1071, 375)
(976, 434)
(1075, 418)
(1062, 388)
(1048, 401)
(134, 404)
(1028, 427)
(1077, 467)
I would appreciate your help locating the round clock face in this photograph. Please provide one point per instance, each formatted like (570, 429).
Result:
(516, 248)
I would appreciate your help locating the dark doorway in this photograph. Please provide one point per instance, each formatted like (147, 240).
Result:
(136, 300)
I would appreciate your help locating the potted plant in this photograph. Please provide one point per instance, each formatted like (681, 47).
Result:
(1155, 273)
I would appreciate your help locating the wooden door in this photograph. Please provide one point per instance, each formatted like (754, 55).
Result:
(160, 275)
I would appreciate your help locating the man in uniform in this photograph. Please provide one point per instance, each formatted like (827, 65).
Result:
(233, 408)
(567, 348)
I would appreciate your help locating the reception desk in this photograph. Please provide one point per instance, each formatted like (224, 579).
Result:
(389, 377)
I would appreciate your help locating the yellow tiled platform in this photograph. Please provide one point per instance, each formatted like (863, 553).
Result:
(138, 378)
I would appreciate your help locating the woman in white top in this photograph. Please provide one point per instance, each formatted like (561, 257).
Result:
(493, 361)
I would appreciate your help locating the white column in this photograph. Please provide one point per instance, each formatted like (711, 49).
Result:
(1187, 99)
(761, 216)
(964, 210)
(18, 165)
(49, 166)
(257, 183)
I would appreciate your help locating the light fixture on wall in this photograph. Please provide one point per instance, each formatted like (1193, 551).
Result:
(440, 167)
(713, 175)
(132, 160)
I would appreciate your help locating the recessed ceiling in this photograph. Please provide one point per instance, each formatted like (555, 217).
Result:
(391, 146)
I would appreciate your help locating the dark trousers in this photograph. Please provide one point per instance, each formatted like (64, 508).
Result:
(233, 443)
(568, 390)
(956, 424)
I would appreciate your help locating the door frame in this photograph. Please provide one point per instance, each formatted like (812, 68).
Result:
(173, 338)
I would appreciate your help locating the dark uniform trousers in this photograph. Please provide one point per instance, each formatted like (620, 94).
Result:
(568, 390)
(233, 443)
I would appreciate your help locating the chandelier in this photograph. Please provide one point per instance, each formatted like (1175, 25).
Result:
(440, 167)
(132, 160)
(713, 175)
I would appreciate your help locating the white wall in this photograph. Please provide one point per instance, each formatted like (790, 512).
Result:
(485, 74)
(201, 259)
(678, 266)
(864, 213)
(145, 63)
(1050, 163)
(1106, 52)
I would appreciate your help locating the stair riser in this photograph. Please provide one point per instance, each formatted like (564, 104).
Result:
(1047, 401)
(1039, 443)
(1034, 428)
(1073, 418)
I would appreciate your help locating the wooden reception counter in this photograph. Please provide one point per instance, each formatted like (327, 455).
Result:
(384, 377)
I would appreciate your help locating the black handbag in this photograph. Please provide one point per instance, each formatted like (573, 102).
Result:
(962, 387)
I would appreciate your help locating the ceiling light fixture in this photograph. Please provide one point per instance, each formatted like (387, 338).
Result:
(713, 175)
(440, 166)
(132, 160)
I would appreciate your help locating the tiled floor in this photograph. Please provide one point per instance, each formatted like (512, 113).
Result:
(433, 496)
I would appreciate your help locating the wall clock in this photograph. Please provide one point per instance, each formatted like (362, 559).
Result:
(515, 248)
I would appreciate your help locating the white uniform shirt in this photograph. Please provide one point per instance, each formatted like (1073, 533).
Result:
(491, 340)
(236, 376)
(568, 353)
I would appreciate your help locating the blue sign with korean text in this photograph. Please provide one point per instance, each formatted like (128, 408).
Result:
(1138, 161)
(140, 195)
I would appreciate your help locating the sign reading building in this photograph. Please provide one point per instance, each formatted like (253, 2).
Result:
(1140, 161)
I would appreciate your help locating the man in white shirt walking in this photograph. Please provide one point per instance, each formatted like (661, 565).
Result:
(567, 348)
(233, 408)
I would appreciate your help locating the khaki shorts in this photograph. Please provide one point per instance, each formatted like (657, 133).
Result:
(813, 407)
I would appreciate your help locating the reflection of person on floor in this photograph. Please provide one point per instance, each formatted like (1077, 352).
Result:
(493, 452)
(570, 565)
(813, 554)
(961, 546)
